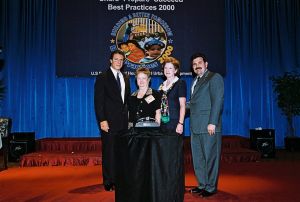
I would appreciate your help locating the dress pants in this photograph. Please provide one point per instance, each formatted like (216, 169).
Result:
(206, 152)
(109, 158)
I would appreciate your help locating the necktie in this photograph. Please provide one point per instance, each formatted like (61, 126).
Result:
(118, 81)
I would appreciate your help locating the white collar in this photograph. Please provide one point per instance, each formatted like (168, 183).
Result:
(114, 71)
(166, 87)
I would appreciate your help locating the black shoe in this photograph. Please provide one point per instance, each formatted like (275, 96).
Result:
(207, 193)
(108, 187)
(196, 190)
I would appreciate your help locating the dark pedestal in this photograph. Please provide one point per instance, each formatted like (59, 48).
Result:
(150, 167)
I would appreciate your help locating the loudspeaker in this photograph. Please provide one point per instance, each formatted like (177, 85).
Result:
(22, 136)
(263, 141)
(19, 144)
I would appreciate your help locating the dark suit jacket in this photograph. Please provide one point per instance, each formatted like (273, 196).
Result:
(108, 101)
(206, 103)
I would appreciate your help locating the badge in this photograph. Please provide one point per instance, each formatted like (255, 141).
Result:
(149, 99)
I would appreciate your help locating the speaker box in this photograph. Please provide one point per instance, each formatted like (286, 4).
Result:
(19, 144)
(263, 141)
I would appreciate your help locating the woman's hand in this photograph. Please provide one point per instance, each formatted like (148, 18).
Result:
(179, 128)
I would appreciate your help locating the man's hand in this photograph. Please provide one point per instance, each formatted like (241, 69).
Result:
(104, 126)
(211, 129)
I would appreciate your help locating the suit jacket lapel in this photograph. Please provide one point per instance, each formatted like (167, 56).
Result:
(192, 92)
(200, 82)
(114, 84)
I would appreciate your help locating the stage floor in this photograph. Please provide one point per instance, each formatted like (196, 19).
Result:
(269, 180)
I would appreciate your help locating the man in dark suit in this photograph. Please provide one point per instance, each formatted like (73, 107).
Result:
(205, 106)
(112, 89)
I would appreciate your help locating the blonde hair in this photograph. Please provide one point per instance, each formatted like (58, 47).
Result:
(143, 70)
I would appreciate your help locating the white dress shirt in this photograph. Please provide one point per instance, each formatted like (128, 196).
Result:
(122, 81)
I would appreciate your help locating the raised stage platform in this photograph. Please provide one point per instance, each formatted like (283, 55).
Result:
(87, 152)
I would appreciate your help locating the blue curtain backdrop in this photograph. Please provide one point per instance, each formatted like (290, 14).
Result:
(262, 40)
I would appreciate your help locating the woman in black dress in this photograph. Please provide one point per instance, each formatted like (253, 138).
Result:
(144, 103)
(173, 97)
(153, 157)
(173, 103)
(140, 169)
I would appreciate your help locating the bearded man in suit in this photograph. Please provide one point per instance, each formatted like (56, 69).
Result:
(111, 92)
(206, 104)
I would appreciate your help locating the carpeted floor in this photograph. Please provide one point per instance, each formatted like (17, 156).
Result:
(271, 180)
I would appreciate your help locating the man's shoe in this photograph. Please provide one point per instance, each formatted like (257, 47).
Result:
(108, 187)
(196, 190)
(207, 193)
